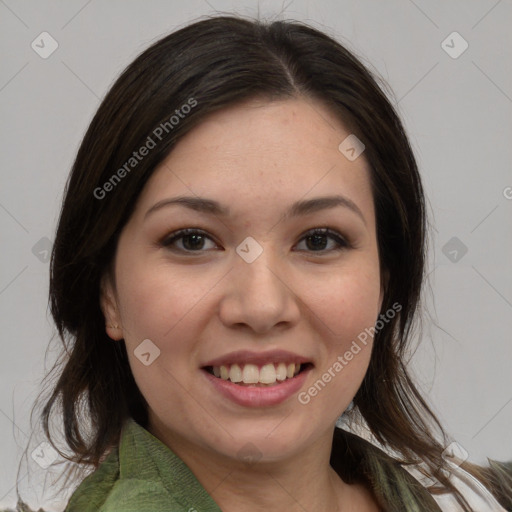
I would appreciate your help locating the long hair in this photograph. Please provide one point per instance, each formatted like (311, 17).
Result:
(209, 65)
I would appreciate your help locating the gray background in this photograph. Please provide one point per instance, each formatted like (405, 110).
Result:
(458, 115)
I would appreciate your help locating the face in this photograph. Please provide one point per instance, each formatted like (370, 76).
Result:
(278, 267)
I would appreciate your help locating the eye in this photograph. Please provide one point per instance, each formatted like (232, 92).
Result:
(195, 240)
(324, 239)
(188, 240)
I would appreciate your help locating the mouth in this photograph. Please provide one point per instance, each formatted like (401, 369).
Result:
(258, 375)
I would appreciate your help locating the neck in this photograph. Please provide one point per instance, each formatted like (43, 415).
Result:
(276, 487)
(304, 481)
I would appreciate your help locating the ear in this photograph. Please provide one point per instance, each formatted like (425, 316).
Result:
(108, 304)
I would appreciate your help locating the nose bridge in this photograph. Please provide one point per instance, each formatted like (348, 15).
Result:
(260, 279)
(262, 276)
(258, 294)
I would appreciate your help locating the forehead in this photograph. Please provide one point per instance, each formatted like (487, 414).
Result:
(271, 152)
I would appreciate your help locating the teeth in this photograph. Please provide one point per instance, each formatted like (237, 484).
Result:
(281, 371)
(268, 374)
(251, 374)
(235, 373)
(224, 373)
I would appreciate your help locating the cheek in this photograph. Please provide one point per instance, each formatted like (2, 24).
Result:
(157, 299)
(345, 355)
(165, 306)
(346, 302)
(344, 309)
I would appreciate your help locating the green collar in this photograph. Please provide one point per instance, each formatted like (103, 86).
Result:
(142, 475)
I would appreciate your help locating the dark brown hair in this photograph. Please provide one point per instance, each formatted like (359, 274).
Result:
(218, 62)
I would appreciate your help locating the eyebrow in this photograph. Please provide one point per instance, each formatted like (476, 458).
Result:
(299, 208)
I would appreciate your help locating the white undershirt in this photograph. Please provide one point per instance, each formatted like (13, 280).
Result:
(477, 496)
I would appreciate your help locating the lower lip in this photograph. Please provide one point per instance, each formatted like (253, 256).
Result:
(258, 396)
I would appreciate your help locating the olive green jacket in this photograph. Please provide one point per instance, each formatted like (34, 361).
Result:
(144, 475)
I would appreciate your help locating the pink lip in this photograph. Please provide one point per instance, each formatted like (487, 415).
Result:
(255, 396)
(257, 358)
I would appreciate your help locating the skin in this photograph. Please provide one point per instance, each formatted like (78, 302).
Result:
(257, 158)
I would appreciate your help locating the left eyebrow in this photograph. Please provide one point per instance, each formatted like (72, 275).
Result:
(308, 206)
(299, 208)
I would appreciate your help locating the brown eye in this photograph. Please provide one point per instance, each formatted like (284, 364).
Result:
(188, 240)
(324, 239)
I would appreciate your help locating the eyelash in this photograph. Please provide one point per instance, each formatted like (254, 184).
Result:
(341, 242)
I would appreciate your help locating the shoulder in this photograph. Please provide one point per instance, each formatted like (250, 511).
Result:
(358, 460)
(141, 474)
(105, 491)
(90, 494)
(403, 487)
(125, 495)
(140, 496)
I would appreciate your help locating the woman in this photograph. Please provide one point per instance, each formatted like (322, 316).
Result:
(239, 261)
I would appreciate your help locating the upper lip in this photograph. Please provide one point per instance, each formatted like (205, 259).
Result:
(257, 358)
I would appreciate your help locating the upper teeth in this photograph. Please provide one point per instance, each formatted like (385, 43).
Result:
(251, 374)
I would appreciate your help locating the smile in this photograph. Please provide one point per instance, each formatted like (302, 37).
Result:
(248, 374)
(257, 379)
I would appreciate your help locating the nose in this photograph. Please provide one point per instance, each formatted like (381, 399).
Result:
(259, 296)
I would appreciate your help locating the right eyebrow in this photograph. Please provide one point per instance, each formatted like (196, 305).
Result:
(198, 204)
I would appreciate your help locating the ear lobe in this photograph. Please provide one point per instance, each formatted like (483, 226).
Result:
(108, 305)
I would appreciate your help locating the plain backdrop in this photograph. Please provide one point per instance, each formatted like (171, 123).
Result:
(456, 103)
